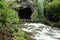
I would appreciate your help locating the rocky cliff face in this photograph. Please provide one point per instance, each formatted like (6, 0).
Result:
(25, 3)
(28, 3)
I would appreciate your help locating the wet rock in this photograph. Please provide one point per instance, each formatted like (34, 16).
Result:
(53, 24)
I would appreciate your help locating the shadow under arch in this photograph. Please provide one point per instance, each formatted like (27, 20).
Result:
(25, 13)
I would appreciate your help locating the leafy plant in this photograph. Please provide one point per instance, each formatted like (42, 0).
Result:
(52, 11)
(9, 21)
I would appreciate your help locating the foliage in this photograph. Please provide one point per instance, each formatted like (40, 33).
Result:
(53, 11)
(39, 17)
(7, 14)
(9, 20)
(19, 35)
(13, 4)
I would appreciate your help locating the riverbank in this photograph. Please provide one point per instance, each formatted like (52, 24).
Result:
(54, 24)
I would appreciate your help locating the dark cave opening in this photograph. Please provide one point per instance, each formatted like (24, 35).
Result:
(25, 13)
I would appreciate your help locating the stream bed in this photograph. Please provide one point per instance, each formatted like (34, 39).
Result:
(38, 31)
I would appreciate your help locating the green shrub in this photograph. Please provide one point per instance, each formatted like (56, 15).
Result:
(53, 11)
(7, 14)
(9, 21)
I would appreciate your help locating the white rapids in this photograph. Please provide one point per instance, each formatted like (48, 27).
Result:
(40, 31)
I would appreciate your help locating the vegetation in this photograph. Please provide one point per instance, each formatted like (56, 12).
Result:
(9, 19)
(53, 11)
(39, 15)
(9, 23)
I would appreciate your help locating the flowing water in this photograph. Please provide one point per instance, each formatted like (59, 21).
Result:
(38, 31)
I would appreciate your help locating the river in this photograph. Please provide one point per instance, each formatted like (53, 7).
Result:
(38, 31)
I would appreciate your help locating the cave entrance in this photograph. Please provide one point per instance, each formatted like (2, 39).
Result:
(25, 13)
